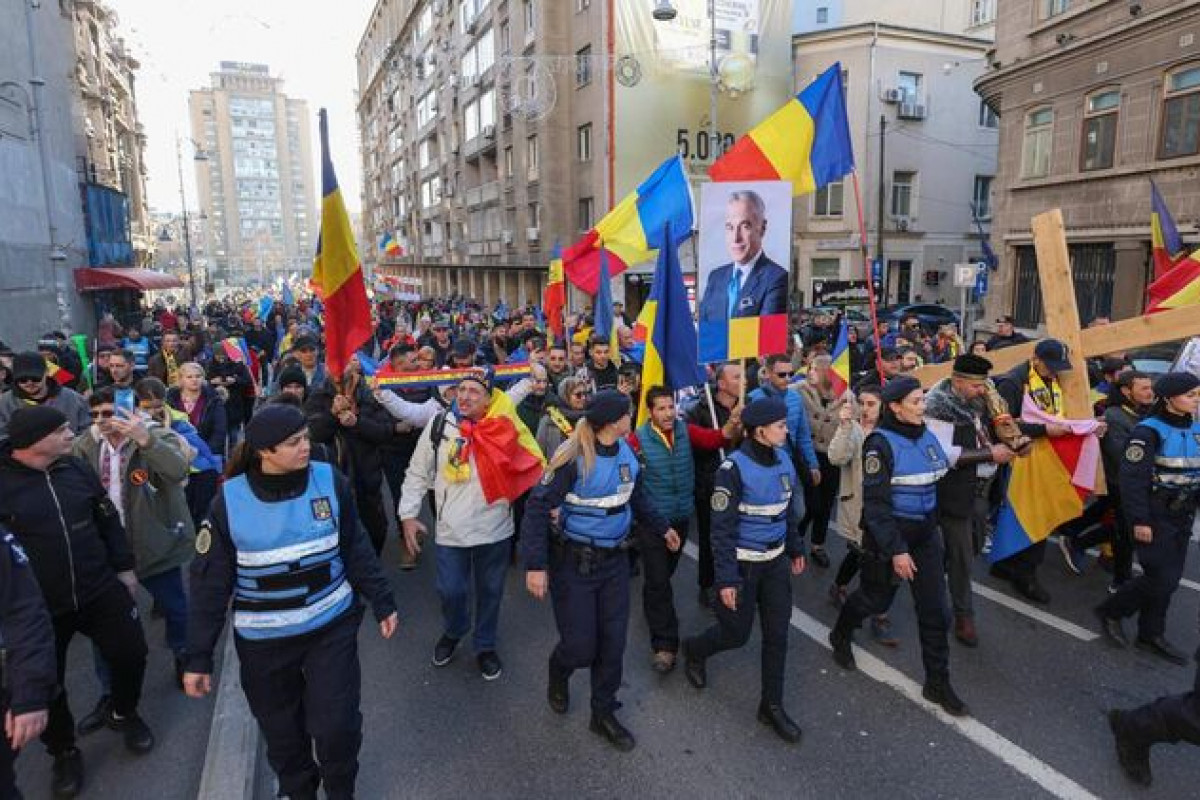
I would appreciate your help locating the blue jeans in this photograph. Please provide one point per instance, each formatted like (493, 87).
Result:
(456, 567)
(167, 590)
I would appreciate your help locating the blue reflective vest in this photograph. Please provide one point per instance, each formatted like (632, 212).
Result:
(290, 576)
(1177, 462)
(596, 510)
(918, 466)
(141, 352)
(766, 495)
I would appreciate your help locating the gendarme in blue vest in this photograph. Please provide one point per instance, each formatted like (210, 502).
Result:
(766, 495)
(290, 576)
(918, 464)
(670, 474)
(1177, 462)
(596, 510)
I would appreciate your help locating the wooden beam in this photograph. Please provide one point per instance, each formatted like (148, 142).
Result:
(1062, 313)
(1165, 326)
(1002, 361)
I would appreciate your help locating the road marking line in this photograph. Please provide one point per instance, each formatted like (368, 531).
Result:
(1062, 625)
(1007, 751)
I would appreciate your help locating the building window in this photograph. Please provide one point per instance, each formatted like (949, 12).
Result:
(910, 84)
(530, 19)
(535, 215)
(826, 268)
(505, 37)
(902, 193)
(827, 201)
(582, 5)
(987, 117)
(983, 12)
(583, 67)
(1100, 130)
(584, 142)
(587, 208)
(531, 157)
(1181, 114)
(981, 199)
(1035, 150)
(822, 15)
(508, 162)
(1052, 8)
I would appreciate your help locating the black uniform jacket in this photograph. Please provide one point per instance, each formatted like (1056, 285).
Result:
(29, 676)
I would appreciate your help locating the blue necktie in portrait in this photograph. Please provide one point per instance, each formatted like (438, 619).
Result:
(734, 289)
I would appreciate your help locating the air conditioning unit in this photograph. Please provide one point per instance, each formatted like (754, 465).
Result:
(506, 237)
(532, 234)
(911, 111)
(902, 223)
(489, 131)
(892, 95)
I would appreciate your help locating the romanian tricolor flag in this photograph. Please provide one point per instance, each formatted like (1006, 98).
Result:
(386, 378)
(1166, 246)
(839, 375)
(506, 454)
(1178, 288)
(632, 231)
(806, 142)
(1047, 487)
(666, 323)
(337, 272)
(554, 299)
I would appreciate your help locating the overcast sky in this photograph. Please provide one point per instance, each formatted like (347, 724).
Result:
(180, 42)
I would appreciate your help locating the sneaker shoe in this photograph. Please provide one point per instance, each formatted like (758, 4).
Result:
(137, 735)
(881, 631)
(489, 665)
(1074, 557)
(1133, 757)
(94, 721)
(443, 651)
(66, 776)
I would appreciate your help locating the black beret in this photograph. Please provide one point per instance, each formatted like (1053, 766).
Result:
(28, 365)
(1174, 384)
(606, 407)
(30, 424)
(972, 366)
(899, 388)
(273, 425)
(304, 342)
(290, 375)
(764, 411)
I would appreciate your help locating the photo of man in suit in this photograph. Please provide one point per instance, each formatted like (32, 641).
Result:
(751, 285)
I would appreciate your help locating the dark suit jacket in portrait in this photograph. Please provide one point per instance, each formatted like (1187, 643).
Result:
(764, 291)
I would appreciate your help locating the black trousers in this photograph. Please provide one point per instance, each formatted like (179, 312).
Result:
(1023, 566)
(200, 490)
(1172, 719)
(658, 598)
(111, 621)
(395, 464)
(592, 615)
(819, 501)
(1088, 531)
(304, 691)
(1149, 594)
(766, 586)
(877, 588)
(370, 510)
(706, 572)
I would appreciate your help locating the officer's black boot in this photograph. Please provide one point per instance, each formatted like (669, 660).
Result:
(693, 666)
(773, 716)
(66, 776)
(558, 694)
(938, 690)
(841, 639)
(614, 732)
(1133, 755)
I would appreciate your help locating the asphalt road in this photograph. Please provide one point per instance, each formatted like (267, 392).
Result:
(1038, 688)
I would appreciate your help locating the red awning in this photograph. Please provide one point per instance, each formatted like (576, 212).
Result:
(94, 279)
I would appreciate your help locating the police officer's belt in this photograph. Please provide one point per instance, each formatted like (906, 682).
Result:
(772, 552)
(591, 544)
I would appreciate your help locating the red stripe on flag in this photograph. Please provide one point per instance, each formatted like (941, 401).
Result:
(584, 270)
(347, 323)
(745, 161)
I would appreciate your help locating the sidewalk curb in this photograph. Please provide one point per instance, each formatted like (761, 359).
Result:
(231, 759)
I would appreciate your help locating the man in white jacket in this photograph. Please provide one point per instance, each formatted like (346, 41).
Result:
(472, 535)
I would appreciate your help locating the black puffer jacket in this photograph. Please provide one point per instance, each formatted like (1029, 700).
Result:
(68, 526)
(357, 448)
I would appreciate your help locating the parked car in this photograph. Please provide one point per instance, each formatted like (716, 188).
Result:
(931, 315)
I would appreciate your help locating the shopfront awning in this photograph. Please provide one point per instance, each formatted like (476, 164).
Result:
(95, 279)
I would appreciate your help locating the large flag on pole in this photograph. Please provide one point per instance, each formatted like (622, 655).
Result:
(806, 142)
(671, 358)
(839, 375)
(633, 230)
(337, 272)
(554, 299)
(1178, 288)
(1166, 246)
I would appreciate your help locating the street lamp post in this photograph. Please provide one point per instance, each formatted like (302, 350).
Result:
(664, 11)
(187, 228)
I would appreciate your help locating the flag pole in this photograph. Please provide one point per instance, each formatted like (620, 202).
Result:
(862, 246)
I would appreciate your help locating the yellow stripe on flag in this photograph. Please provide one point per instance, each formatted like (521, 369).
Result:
(1041, 492)
(743, 337)
(338, 259)
(621, 231)
(653, 373)
(786, 139)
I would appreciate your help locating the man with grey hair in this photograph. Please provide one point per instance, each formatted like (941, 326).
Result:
(751, 284)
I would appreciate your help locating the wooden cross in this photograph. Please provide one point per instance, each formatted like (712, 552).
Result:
(1062, 323)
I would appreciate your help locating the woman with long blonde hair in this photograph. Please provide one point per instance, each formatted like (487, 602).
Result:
(592, 481)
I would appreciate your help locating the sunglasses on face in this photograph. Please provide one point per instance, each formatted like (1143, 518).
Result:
(787, 374)
(103, 414)
(29, 380)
